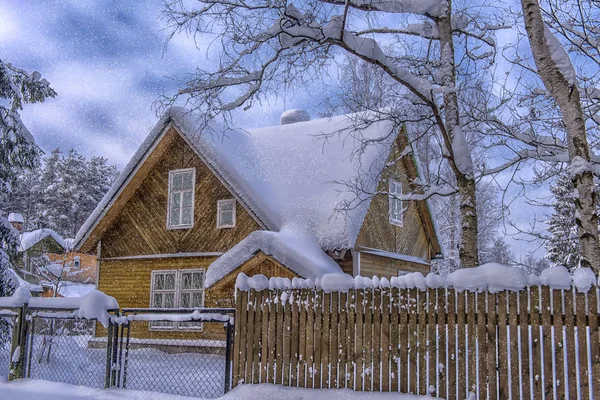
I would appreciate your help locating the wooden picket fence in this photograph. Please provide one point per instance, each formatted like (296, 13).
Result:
(538, 343)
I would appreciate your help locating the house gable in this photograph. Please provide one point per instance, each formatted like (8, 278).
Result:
(139, 225)
(416, 237)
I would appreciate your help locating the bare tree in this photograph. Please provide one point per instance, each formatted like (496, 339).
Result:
(267, 45)
(559, 77)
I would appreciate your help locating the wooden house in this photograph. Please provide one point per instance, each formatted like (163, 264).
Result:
(193, 209)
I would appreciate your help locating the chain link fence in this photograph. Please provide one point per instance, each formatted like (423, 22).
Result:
(183, 352)
(58, 350)
(7, 322)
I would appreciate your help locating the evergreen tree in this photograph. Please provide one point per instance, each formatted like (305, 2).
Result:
(563, 246)
(18, 152)
(499, 252)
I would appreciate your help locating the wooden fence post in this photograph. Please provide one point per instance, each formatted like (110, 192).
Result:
(17, 348)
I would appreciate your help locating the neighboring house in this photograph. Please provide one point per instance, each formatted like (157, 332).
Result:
(192, 210)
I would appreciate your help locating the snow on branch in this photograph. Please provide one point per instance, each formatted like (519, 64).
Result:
(430, 8)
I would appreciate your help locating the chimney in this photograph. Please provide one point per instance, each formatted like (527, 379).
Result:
(293, 116)
(16, 220)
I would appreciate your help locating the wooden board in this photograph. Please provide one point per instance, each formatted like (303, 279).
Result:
(359, 350)
(272, 335)
(325, 360)
(451, 367)
(482, 343)
(431, 339)
(461, 354)
(403, 340)
(334, 340)
(515, 384)
(441, 343)
(492, 338)
(524, 327)
(302, 336)
(350, 340)
(385, 340)
(547, 370)
(471, 336)
(368, 340)
(412, 340)
(570, 335)
(250, 335)
(594, 340)
(422, 340)
(343, 339)
(318, 367)
(287, 339)
(584, 382)
(310, 338)
(376, 379)
(394, 343)
(536, 354)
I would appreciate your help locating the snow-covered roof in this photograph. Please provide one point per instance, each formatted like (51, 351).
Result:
(73, 289)
(298, 252)
(30, 239)
(286, 175)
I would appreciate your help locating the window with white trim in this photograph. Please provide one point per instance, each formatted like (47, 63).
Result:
(396, 209)
(180, 213)
(177, 289)
(226, 213)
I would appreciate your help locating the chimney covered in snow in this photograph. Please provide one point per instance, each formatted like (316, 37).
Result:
(16, 220)
(293, 116)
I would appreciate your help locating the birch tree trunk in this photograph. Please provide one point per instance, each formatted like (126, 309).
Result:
(456, 144)
(567, 97)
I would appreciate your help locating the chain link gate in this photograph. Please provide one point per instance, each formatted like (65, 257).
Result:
(179, 351)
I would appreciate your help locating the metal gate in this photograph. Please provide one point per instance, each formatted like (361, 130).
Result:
(179, 351)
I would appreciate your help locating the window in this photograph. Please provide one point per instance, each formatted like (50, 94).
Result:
(77, 262)
(226, 213)
(177, 289)
(180, 213)
(396, 211)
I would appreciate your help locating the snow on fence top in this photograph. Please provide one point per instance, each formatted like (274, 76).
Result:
(94, 305)
(188, 317)
(491, 277)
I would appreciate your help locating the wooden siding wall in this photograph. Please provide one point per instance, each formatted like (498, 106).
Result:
(371, 265)
(377, 232)
(140, 228)
(440, 342)
(128, 281)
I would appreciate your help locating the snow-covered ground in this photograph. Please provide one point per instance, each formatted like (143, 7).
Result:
(72, 362)
(30, 389)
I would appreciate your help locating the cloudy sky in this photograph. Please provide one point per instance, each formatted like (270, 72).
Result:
(108, 63)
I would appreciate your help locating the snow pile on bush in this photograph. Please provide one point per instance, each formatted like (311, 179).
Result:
(490, 277)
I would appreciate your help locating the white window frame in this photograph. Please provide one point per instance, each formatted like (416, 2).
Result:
(394, 203)
(77, 262)
(176, 326)
(171, 174)
(220, 204)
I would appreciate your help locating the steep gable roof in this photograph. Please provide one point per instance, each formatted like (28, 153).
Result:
(287, 176)
(30, 239)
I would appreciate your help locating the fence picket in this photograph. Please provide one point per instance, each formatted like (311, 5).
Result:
(302, 337)
(557, 313)
(376, 372)
(237, 357)
(263, 354)
(548, 368)
(442, 341)
(461, 355)
(368, 340)
(502, 347)
(271, 337)
(534, 312)
(287, 336)
(350, 378)
(583, 379)
(514, 346)
(342, 347)
(280, 307)
(325, 360)
(451, 367)
(570, 339)
(412, 341)
(403, 339)
(385, 340)
(492, 338)
(422, 341)
(317, 365)
(334, 341)
(431, 341)
(309, 330)
(295, 337)
(471, 335)
(394, 344)
(525, 347)
(359, 350)
(594, 342)
(482, 345)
